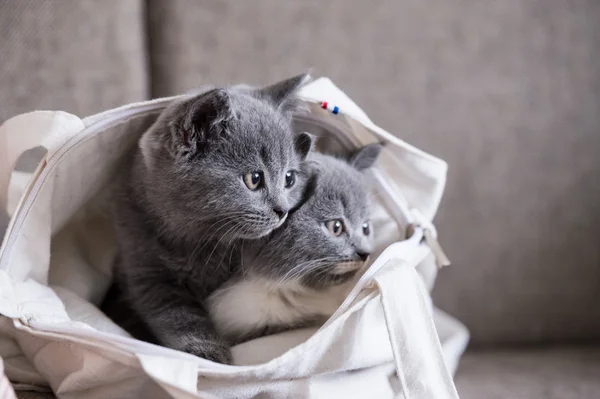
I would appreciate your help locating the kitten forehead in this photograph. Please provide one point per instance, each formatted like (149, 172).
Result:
(259, 135)
(258, 114)
(339, 185)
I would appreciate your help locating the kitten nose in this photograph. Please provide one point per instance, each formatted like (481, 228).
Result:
(280, 213)
(363, 255)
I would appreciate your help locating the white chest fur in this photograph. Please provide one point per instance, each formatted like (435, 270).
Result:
(253, 303)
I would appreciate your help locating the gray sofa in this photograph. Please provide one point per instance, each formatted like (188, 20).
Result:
(508, 92)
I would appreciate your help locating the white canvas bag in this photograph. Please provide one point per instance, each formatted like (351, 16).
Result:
(55, 266)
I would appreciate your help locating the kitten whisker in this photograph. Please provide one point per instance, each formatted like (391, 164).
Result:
(242, 258)
(202, 244)
(306, 267)
(217, 244)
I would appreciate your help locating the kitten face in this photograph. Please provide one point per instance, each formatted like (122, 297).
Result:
(327, 240)
(249, 182)
(226, 162)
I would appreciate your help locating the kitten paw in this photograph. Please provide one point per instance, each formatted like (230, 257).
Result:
(210, 351)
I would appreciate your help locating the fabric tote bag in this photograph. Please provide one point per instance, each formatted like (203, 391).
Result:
(385, 340)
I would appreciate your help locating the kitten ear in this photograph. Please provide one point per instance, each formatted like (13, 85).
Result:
(204, 120)
(365, 157)
(282, 94)
(186, 127)
(304, 144)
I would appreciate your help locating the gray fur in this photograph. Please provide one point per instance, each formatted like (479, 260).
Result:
(303, 250)
(183, 207)
(340, 191)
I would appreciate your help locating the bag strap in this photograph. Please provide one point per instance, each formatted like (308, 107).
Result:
(418, 355)
(48, 129)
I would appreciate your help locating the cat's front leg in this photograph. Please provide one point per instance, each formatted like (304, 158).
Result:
(203, 344)
(177, 320)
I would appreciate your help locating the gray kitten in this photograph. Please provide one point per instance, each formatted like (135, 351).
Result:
(295, 277)
(216, 168)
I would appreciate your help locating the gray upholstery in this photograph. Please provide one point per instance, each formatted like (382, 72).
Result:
(556, 373)
(80, 56)
(508, 92)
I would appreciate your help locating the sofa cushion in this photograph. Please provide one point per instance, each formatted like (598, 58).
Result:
(556, 373)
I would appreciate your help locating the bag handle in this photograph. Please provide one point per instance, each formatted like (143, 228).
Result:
(49, 129)
(418, 355)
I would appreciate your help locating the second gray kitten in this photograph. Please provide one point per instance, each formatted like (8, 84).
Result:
(294, 277)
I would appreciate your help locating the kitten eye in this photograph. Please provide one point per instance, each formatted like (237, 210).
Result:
(366, 228)
(290, 179)
(253, 180)
(335, 227)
